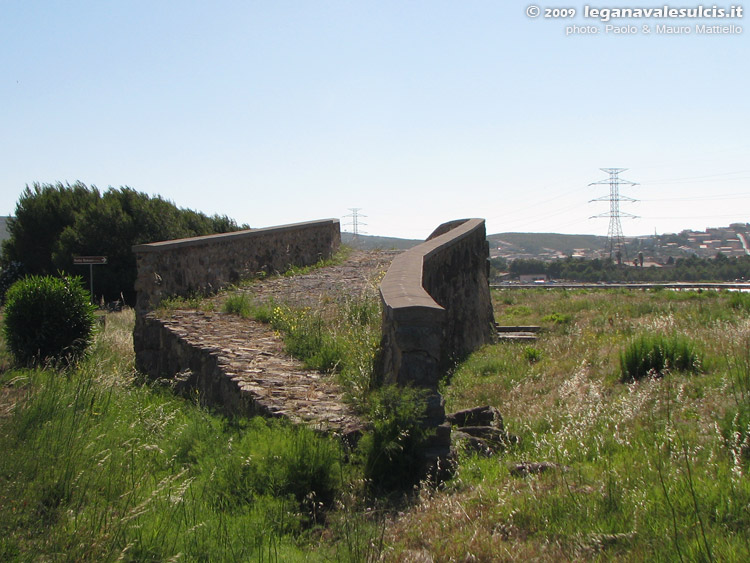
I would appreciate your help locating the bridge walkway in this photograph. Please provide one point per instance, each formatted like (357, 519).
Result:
(248, 356)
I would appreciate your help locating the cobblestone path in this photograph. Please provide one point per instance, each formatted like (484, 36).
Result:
(357, 276)
(250, 354)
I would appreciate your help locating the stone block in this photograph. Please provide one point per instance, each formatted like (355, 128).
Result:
(477, 416)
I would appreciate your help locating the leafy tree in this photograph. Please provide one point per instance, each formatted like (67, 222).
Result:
(10, 274)
(54, 223)
(527, 266)
(42, 213)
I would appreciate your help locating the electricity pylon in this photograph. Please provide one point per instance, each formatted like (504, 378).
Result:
(355, 222)
(615, 242)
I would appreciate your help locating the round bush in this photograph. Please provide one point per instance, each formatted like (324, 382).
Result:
(48, 320)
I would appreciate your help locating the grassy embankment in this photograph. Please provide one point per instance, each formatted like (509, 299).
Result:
(655, 469)
(97, 467)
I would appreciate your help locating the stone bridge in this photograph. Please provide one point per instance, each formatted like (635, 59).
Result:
(436, 308)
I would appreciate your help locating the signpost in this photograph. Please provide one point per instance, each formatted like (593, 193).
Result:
(91, 261)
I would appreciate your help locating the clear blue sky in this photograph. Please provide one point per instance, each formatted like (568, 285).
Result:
(417, 112)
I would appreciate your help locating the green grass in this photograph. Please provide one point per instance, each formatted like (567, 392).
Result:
(740, 301)
(97, 468)
(238, 304)
(194, 301)
(650, 354)
(650, 470)
(340, 338)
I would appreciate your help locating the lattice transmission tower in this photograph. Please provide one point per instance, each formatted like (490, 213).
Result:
(615, 239)
(355, 223)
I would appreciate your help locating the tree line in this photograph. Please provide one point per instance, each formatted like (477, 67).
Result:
(692, 269)
(55, 222)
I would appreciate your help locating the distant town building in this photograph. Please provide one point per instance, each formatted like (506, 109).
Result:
(733, 241)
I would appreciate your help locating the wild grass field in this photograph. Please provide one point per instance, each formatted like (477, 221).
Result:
(653, 469)
(97, 465)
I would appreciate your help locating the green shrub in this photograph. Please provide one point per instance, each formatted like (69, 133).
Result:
(652, 354)
(532, 354)
(278, 460)
(48, 319)
(393, 451)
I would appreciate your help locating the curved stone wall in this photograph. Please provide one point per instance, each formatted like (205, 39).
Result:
(436, 305)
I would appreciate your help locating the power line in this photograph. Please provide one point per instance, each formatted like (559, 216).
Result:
(719, 177)
(743, 195)
(615, 241)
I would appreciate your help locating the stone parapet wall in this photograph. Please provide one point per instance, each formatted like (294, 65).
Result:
(436, 309)
(173, 356)
(436, 305)
(203, 265)
(456, 275)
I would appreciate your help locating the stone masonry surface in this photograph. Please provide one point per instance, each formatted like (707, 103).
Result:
(358, 276)
(436, 304)
(239, 364)
(436, 308)
(204, 265)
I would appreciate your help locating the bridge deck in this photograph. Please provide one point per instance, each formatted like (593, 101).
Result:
(250, 355)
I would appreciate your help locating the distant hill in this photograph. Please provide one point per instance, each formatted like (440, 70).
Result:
(731, 241)
(538, 243)
(531, 243)
(368, 242)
